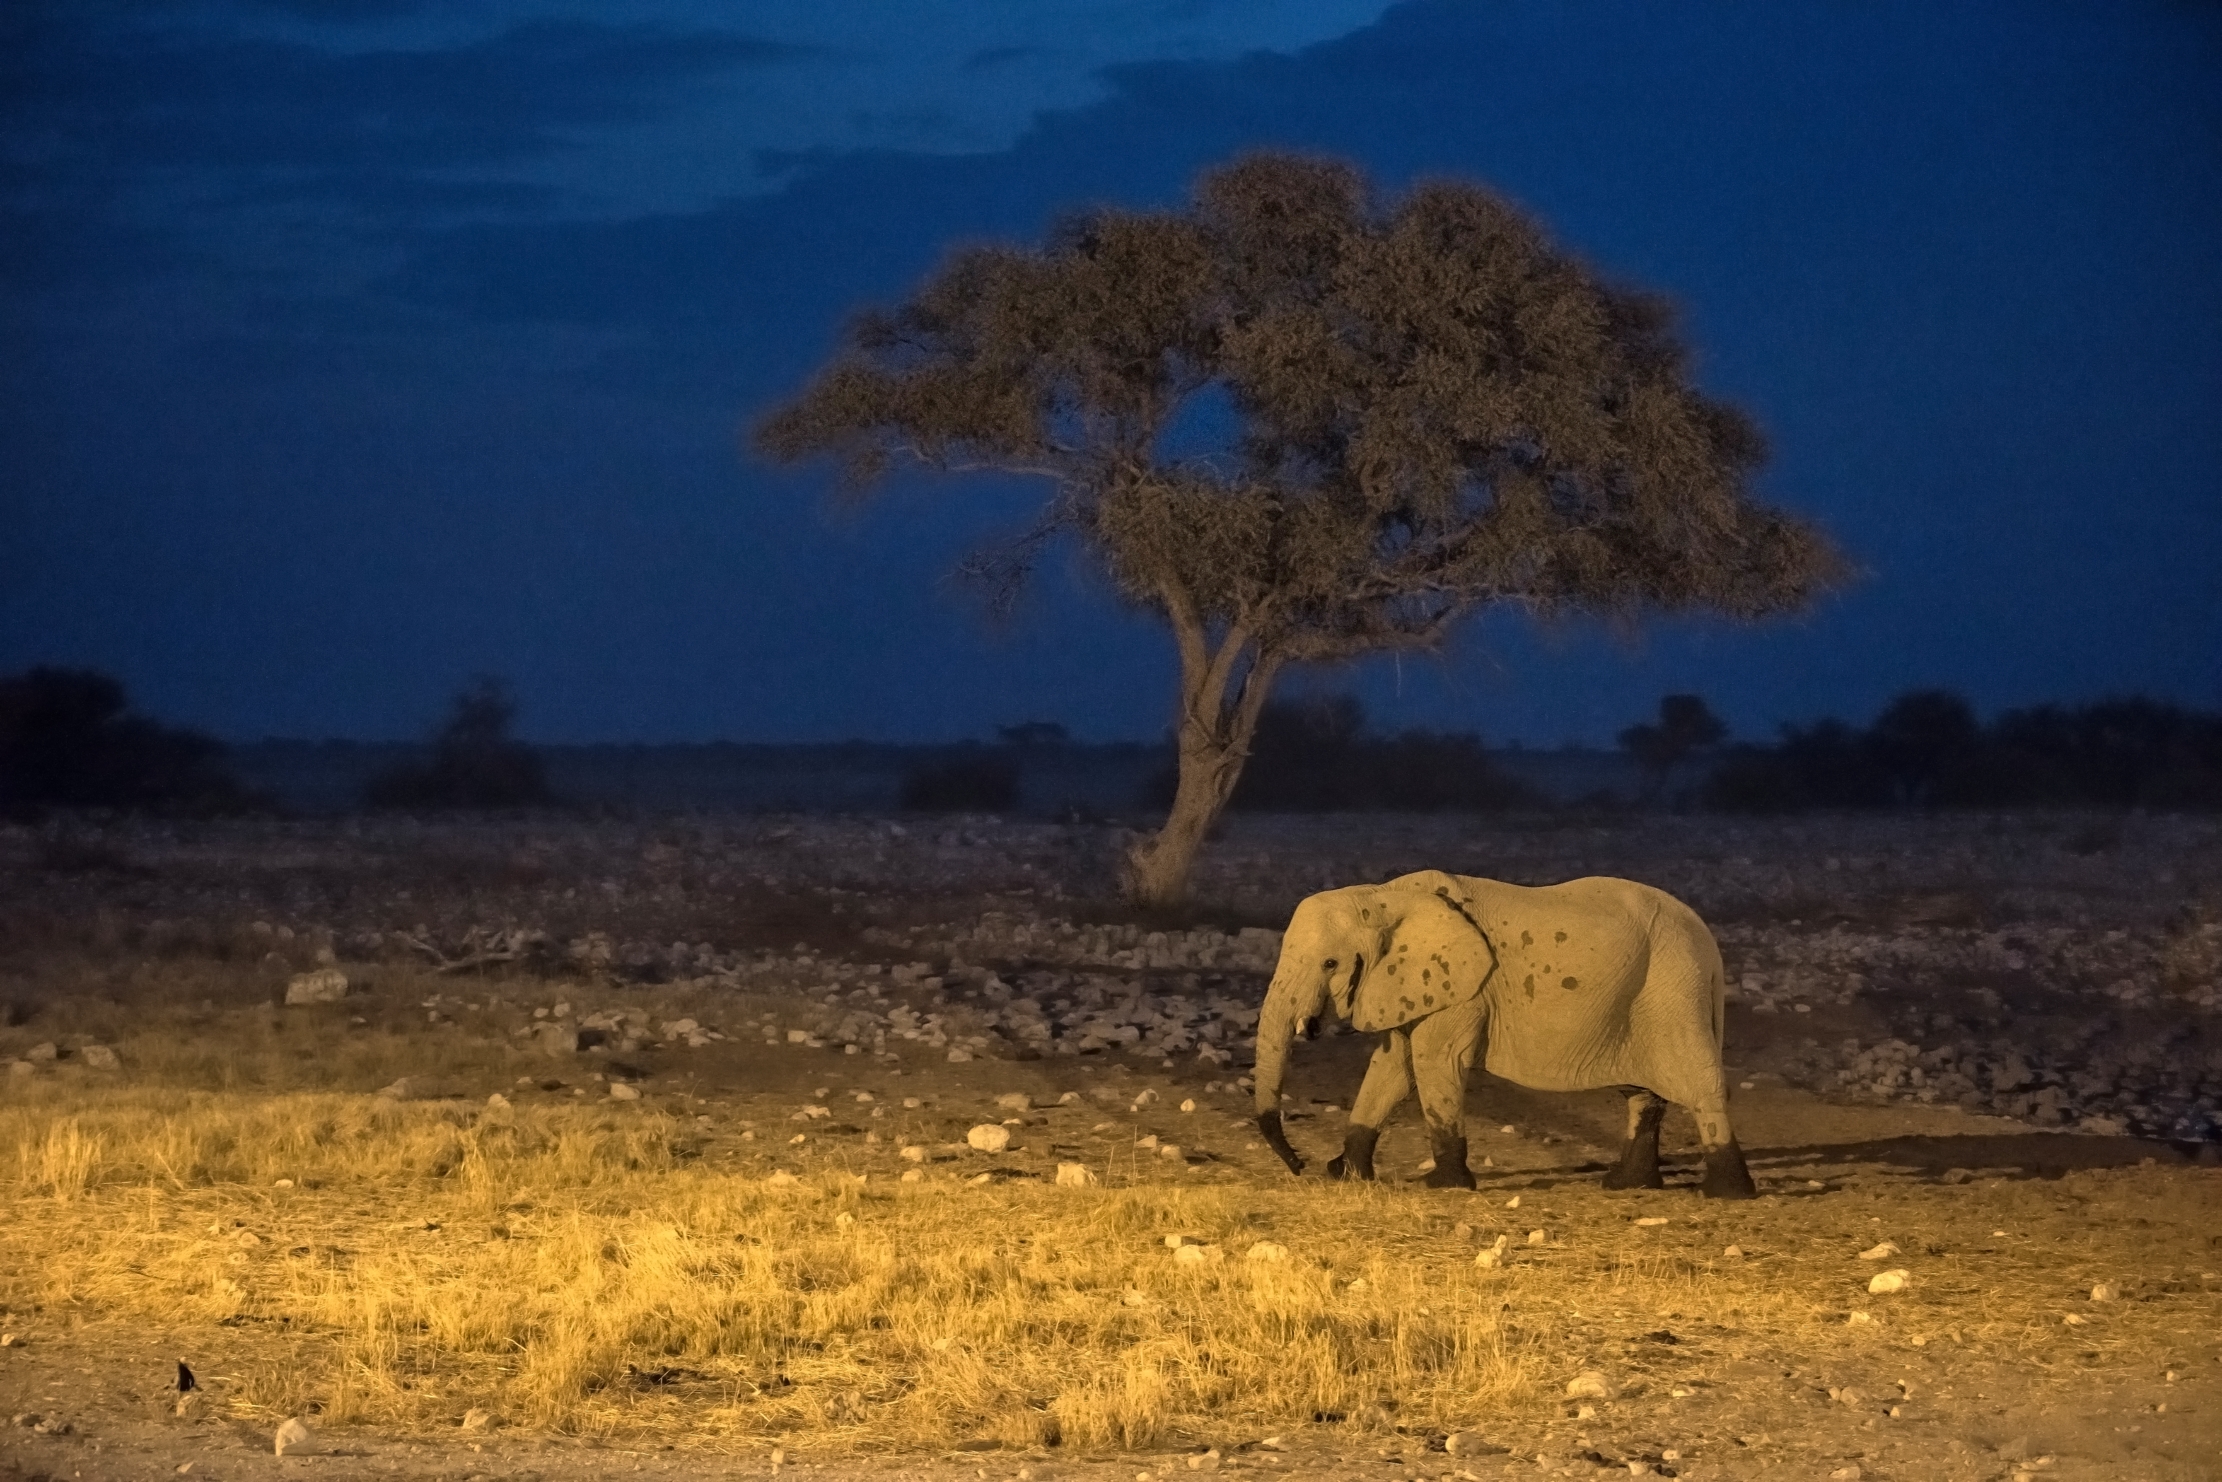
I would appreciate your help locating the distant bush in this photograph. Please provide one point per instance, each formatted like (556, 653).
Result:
(475, 762)
(1316, 756)
(1927, 749)
(1686, 727)
(68, 739)
(976, 780)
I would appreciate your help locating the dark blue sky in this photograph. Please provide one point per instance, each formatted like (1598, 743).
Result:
(352, 347)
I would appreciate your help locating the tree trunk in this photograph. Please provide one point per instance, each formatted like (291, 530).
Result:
(1213, 742)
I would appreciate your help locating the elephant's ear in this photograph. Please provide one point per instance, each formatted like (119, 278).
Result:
(1433, 957)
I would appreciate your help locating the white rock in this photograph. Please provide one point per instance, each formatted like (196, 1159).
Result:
(1536, 1237)
(1207, 1462)
(1856, 1318)
(1734, 1253)
(2106, 1291)
(989, 1137)
(1015, 1101)
(325, 985)
(959, 1057)
(1074, 1176)
(1266, 1250)
(98, 1057)
(1189, 1105)
(621, 1091)
(1652, 1219)
(913, 1176)
(1144, 1098)
(781, 1178)
(1148, 1141)
(295, 1436)
(1897, 1279)
(1169, 1150)
(1590, 1384)
(1882, 1252)
(1513, 1202)
(914, 1154)
(1199, 1255)
(1492, 1256)
(477, 1419)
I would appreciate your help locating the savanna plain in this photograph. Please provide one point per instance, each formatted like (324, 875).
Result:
(561, 1146)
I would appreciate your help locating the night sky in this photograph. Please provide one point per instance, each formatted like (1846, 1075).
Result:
(354, 347)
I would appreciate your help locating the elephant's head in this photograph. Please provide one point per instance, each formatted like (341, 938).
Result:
(1381, 955)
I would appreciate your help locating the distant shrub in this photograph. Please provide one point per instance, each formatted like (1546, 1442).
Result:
(1316, 756)
(974, 781)
(1686, 727)
(68, 739)
(1927, 749)
(475, 762)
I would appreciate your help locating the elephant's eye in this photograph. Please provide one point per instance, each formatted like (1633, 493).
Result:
(1330, 964)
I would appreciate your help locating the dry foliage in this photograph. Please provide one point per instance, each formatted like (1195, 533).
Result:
(582, 1268)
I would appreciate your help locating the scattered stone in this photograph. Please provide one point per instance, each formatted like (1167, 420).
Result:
(1856, 1318)
(1536, 1237)
(2106, 1291)
(1652, 1219)
(781, 1178)
(956, 1057)
(1188, 1105)
(1733, 1253)
(42, 1053)
(1590, 1384)
(913, 1154)
(555, 1039)
(1513, 1202)
(1492, 1256)
(477, 1418)
(1207, 1462)
(99, 1057)
(1882, 1252)
(295, 1436)
(1169, 1150)
(1897, 1279)
(1266, 1250)
(989, 1137)
(913, 1176)
(324, 985)
(623, 1091)
(1017, 1101)
(1074, 1176)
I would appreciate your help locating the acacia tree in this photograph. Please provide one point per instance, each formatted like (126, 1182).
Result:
(1408, 410)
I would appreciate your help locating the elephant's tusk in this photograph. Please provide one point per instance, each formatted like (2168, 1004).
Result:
(1269, 1125)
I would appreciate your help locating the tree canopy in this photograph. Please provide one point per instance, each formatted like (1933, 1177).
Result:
(1303, 423)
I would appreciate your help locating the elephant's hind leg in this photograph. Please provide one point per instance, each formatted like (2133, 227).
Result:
(1638, 1167)
(1726, 1177)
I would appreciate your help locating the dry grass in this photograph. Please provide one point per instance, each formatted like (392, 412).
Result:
(579, 1268)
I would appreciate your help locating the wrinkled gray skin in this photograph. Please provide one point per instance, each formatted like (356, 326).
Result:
(1593, 983)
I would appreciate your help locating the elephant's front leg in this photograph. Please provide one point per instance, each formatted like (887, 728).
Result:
(1638, 1167)
(1443, 1048)
(1388, 1078)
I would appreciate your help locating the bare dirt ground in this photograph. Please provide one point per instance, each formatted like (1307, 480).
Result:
(1990, 1043)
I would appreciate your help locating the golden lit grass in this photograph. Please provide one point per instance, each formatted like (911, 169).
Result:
(578, 1268)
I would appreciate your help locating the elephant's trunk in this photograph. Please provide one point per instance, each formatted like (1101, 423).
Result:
(1276, 1028)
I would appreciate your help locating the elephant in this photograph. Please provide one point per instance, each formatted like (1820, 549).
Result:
(1591, 983)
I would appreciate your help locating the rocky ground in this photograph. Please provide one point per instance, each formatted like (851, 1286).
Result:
(1912, 1001)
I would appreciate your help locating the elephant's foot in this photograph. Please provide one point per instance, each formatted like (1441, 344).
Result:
(1726, 1177)
(1638, 1167)
(1450, 1170)
(1357, 1153)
